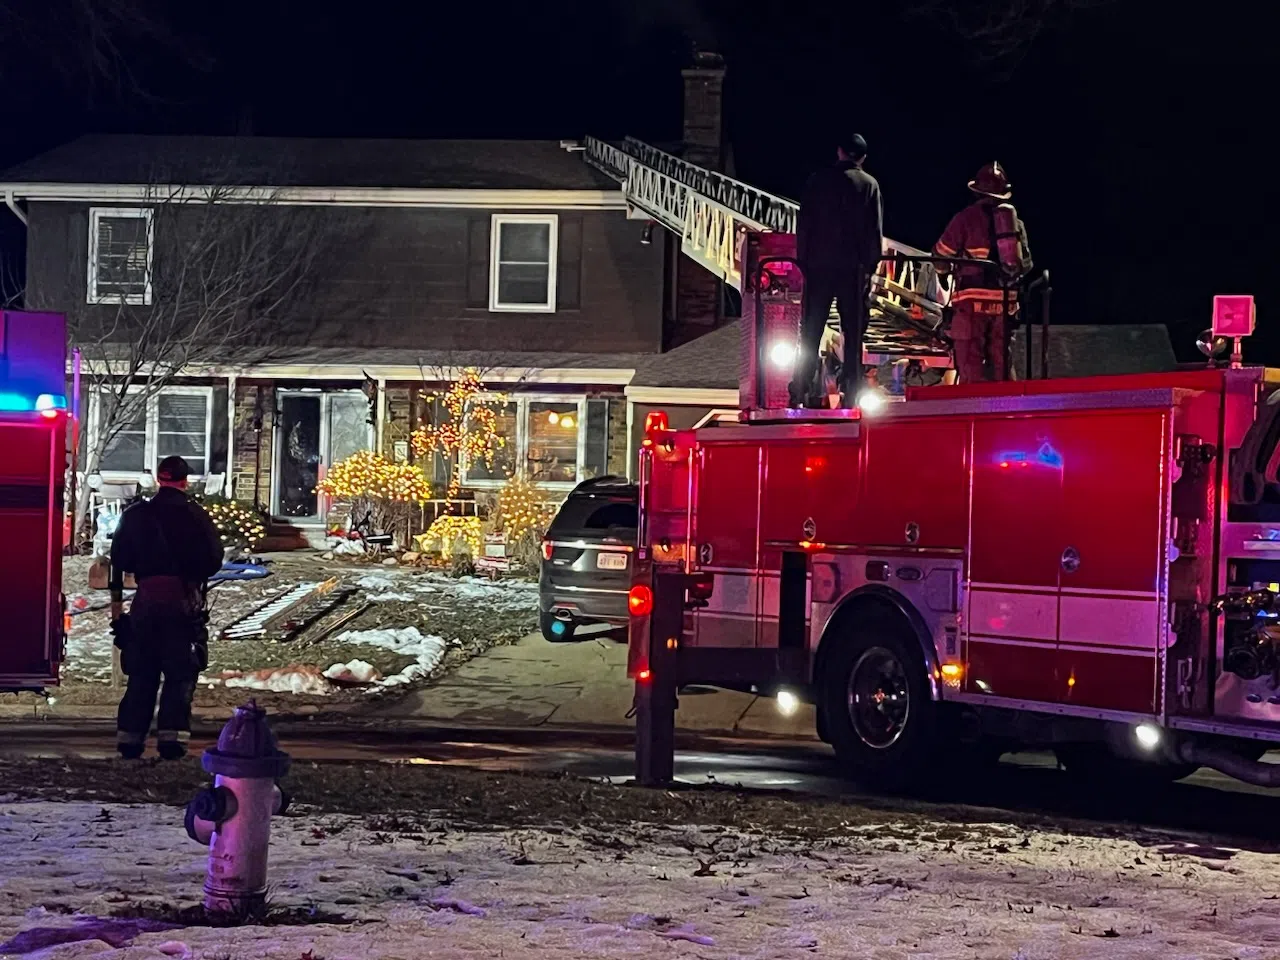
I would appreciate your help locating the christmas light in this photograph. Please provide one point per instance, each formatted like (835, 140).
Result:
(469, 432)
(523, 510)
(448, 531)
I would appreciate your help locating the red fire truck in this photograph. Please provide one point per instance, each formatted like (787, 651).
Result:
(1088, 564)
(33, 459)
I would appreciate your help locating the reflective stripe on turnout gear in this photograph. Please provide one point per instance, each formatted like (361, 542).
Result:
(983, 293)
(126, 739)
(173, 736)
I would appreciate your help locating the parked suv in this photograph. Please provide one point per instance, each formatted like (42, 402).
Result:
(586, 559)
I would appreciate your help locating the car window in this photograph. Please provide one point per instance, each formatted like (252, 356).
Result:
(589, 515)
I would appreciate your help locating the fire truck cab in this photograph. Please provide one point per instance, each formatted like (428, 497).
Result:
(1087, 564)
(33, 459)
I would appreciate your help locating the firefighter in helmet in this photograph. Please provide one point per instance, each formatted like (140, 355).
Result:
(172, 548)
(838, 245)
(985, 298)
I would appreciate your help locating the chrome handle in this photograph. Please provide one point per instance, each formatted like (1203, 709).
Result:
(1070, 560)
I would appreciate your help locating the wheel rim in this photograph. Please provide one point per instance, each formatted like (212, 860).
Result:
(879, 701)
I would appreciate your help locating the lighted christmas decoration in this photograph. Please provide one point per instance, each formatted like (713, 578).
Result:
(467, 433)
(446, 533)
(370, 482)
(523, 511)
(238, 525)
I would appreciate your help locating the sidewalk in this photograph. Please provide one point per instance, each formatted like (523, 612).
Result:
(530, 684)
(536, 683)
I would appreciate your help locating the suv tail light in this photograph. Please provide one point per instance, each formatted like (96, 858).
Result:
(546, 549)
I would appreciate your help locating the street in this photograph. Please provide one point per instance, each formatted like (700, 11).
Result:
(1023, 783)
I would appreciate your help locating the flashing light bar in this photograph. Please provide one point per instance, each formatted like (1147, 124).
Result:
(46, 404)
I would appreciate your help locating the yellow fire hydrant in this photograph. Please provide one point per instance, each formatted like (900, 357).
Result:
(234, 815)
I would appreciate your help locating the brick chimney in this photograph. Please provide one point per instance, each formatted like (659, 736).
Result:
(697, 301)
(703, 111)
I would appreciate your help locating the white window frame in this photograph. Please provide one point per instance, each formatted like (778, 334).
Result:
(522, 403)
(151, 432)
(95, 215)
(550, 220)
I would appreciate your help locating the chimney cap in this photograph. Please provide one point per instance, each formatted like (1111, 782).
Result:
(706, 60)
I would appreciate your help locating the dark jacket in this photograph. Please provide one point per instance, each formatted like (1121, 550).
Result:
(170, 546)
(841, 221)
(972, 234)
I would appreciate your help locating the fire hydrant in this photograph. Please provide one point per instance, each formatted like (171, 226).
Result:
(234, 815)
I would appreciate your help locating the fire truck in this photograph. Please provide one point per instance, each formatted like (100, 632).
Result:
(1089, 564)
(33, 458)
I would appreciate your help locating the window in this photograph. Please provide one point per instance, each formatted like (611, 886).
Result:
(522, 263)
(552, 451)
(175, 422)
(120, 242)
(557, 442)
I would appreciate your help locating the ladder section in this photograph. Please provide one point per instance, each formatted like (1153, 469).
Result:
(711, 212)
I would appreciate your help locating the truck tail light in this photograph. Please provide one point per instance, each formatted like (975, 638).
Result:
(640, 600)
(701, 586)
(656, 424)
(546, 549)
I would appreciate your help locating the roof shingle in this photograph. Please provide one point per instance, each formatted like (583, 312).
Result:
(312, 162)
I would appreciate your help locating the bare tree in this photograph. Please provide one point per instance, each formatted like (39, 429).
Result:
(224, 277)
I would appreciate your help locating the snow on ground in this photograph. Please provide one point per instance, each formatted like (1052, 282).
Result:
(407, 889)
(432, 589)
(428, 650)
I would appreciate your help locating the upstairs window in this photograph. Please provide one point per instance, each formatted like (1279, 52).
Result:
(120, 244)
(522, 263)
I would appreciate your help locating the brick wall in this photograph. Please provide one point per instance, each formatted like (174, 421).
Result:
(618, 453)
(398, 423)
(247, 441)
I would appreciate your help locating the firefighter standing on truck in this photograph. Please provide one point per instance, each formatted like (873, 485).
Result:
(985, 297)
(172, 548)
(838, 244)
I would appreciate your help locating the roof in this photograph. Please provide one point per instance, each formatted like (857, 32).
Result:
(1092, 350)
(312, 162)
(709, 363)
(1084, 350)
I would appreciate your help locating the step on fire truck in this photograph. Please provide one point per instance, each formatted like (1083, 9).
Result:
(33, 459)
(1088, 564)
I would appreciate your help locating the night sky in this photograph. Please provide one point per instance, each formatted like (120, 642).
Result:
(1133, 137)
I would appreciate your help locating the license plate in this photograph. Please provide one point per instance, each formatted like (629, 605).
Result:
(611, 561)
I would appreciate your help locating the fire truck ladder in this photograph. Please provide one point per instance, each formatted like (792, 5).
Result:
(710, 212)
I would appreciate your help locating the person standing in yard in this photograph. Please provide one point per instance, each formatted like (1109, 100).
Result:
(172, 548)
(839, 237)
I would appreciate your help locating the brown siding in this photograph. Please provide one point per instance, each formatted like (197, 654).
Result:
(400, 278)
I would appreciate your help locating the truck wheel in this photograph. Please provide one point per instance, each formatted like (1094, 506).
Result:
(875, 694)
(1096, 764)
(554, 630)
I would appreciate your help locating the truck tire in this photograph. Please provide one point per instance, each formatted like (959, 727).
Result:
(875, 696)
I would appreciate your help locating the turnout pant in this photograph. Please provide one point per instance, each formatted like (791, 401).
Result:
(849, 290)
(164, 656)
(981, 334)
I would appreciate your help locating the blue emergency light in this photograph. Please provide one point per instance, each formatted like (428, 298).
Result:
(46, 404)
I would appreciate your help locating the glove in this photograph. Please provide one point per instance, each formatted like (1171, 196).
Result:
(122, 631)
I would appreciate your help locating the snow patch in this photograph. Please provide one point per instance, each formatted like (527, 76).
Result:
(357, 671)
(427, 650)
(297, 679)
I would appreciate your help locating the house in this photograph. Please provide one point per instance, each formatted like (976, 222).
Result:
(405, 263)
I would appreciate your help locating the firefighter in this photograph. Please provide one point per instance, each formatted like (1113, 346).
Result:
(985, 298)
(838, 244)
(171, 547)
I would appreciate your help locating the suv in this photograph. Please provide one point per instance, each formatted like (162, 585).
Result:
(586, 559)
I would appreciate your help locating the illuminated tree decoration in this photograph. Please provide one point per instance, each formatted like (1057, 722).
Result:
(371, 483)
(238, 525)
(448, 532)
(523, 511)
(467, 433)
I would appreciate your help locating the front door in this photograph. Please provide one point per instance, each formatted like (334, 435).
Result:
(314, 430)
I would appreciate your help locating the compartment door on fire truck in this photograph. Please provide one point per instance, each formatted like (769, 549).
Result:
(1111, 535)
(31, 529)
(726, 542)
(1014, 559)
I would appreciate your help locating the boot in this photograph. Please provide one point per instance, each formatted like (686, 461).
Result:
(130, 751)
(171, 750)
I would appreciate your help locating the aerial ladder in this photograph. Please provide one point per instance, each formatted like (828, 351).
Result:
(746, 237)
